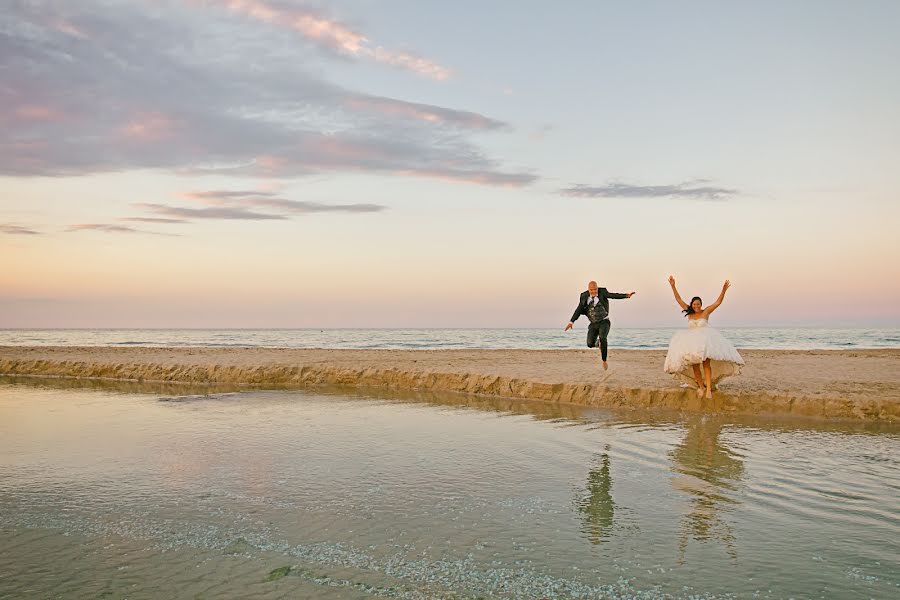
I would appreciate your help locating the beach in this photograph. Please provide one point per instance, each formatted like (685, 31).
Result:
(832, 384)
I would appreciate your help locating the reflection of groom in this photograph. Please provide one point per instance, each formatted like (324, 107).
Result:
(594, 304)
(597, 504)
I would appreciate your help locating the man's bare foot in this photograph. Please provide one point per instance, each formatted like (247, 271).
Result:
(708, 394)
(605, 366)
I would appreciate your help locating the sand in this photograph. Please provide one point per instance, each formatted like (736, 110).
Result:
(848, 384)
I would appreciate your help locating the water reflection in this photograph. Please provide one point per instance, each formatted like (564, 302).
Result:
(708, 471)
(121, 386)
(596, 503)
(605, 418)
(429, 495)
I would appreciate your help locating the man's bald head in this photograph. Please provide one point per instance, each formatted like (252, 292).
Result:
(592, 287)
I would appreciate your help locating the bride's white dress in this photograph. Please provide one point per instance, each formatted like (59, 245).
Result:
(694, 345)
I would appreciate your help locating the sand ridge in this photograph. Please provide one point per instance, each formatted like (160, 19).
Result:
(855, 384)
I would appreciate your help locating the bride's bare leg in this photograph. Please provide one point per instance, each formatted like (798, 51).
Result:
(707, 370)
(699, 379)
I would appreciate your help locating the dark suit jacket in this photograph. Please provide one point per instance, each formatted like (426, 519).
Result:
(604, 295)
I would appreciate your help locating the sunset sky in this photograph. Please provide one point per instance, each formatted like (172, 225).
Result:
(275, 163)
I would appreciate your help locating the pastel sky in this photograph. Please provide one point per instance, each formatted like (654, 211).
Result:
(400, 163)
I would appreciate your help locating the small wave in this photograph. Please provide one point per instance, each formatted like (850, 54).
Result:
(190, 397)
(215, 344)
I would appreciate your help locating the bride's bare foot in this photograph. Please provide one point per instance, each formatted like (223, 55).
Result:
(699, 392)
(708, 394)
(605, 366)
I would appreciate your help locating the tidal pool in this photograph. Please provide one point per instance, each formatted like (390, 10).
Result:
(110, 491)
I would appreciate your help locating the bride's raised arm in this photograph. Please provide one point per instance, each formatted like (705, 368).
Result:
(677, 295)
(709, 309)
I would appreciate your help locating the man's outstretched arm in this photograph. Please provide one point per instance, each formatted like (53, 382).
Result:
(618, 296)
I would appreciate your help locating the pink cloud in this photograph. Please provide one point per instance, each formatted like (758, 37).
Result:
(68, 28)
(149, 127)
(24, 155)
(333, 35)
(222, 198)
(33, 112)
(404, 60)
(120, 114)
(269, 166)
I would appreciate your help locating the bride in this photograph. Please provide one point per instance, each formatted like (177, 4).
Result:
(700, 344)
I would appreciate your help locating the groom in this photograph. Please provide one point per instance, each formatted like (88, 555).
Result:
(594, 303)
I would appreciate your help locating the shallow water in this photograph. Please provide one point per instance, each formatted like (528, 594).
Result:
(151, 492)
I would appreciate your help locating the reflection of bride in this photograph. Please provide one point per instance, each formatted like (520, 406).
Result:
(708, 471)
(596, 504)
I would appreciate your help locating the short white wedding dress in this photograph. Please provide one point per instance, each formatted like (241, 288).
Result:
(694, 345)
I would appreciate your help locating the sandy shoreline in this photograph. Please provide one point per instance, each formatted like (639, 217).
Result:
(855, 384)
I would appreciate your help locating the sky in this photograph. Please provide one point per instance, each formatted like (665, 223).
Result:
(393, 163)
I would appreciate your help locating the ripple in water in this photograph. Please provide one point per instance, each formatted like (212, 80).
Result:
(109, 492)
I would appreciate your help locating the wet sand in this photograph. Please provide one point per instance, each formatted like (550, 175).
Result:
(850, 384)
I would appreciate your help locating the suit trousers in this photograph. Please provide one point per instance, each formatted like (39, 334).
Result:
(598, 331)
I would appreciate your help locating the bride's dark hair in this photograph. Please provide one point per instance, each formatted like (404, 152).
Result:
(690, 309)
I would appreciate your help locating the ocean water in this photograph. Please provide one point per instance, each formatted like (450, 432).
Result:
(143, 491)
(786, 338)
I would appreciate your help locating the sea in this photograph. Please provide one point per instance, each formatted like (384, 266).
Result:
(428, 339)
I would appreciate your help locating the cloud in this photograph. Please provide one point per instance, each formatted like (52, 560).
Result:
(162, 220)
(37, 113)
(226, 195)
(424, 112)
(331, 35)
(110, 228)
(303, 207)
(689, 189)
(249, 199)
(129, 93)
(236, 205)
(150, 127)
(514, 180)
(17, 229)
(212, 212)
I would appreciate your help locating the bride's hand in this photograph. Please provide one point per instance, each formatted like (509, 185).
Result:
(671, 280)
(726, 285)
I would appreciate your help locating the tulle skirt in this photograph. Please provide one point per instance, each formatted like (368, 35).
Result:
(694, 345)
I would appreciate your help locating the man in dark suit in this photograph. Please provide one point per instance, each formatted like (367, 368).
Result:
(594, 304)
